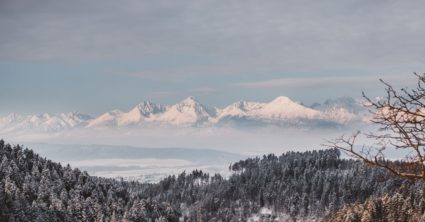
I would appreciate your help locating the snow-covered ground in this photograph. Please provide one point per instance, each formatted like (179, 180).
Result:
(137, 163)
(144, 170)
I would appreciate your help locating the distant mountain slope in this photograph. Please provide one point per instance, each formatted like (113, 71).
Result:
(342, 110)
(187, 112)
(282, 111)
(88, 152)
(43, 122)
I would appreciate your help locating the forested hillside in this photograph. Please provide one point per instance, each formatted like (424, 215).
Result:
(35, 189)
(407, 204)
(294, 186)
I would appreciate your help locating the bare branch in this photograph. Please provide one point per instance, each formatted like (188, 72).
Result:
(401, 120)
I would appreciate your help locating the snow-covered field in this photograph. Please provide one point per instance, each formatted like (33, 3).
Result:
(144, 170)
(137, 163)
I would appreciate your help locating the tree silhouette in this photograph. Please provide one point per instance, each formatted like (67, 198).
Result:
(400, 116)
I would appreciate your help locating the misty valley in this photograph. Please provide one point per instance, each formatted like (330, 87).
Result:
(137, 163)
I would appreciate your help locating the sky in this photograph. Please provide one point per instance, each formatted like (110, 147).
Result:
(99, 55)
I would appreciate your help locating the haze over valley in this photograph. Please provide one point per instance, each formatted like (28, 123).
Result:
(243, 128)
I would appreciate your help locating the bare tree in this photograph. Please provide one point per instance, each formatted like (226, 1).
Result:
(400, 116)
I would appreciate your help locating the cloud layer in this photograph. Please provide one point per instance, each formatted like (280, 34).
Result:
(236, 36)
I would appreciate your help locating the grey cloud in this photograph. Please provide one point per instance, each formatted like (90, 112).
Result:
(325, 81)
(265, 36)
(181, 94)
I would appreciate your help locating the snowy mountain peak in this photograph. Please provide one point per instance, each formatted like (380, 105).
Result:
(282, 100)
(343, 110)
(43, 122)
(240, 109)
(189, 112)
(147, 108)
(189, 101)
(284, 108)
(106, 119)
(12, 117)
(345, 102)
(190, 104)
(241, 105)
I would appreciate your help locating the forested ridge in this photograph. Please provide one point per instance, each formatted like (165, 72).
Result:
(313, 186)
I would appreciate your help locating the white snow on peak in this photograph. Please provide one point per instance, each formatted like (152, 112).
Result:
(187, 112)
(281, 108)
(147, 108)
(282, 100)
(190, 112)
(240, 109)
(284, 108)
(107, 119)
(343, 110)
(189, 101)
(43, 122)
(141, 113)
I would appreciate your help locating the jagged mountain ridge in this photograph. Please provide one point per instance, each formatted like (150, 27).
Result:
(190, 112)
(342, 110)
(43, 122)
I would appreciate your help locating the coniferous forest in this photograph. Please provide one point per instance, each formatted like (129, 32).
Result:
(309, 186)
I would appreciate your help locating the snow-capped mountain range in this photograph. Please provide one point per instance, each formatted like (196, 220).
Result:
(282, 111)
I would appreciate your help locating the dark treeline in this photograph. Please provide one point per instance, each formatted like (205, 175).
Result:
(294, 186)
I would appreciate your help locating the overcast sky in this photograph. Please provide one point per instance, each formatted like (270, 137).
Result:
(93, 56)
